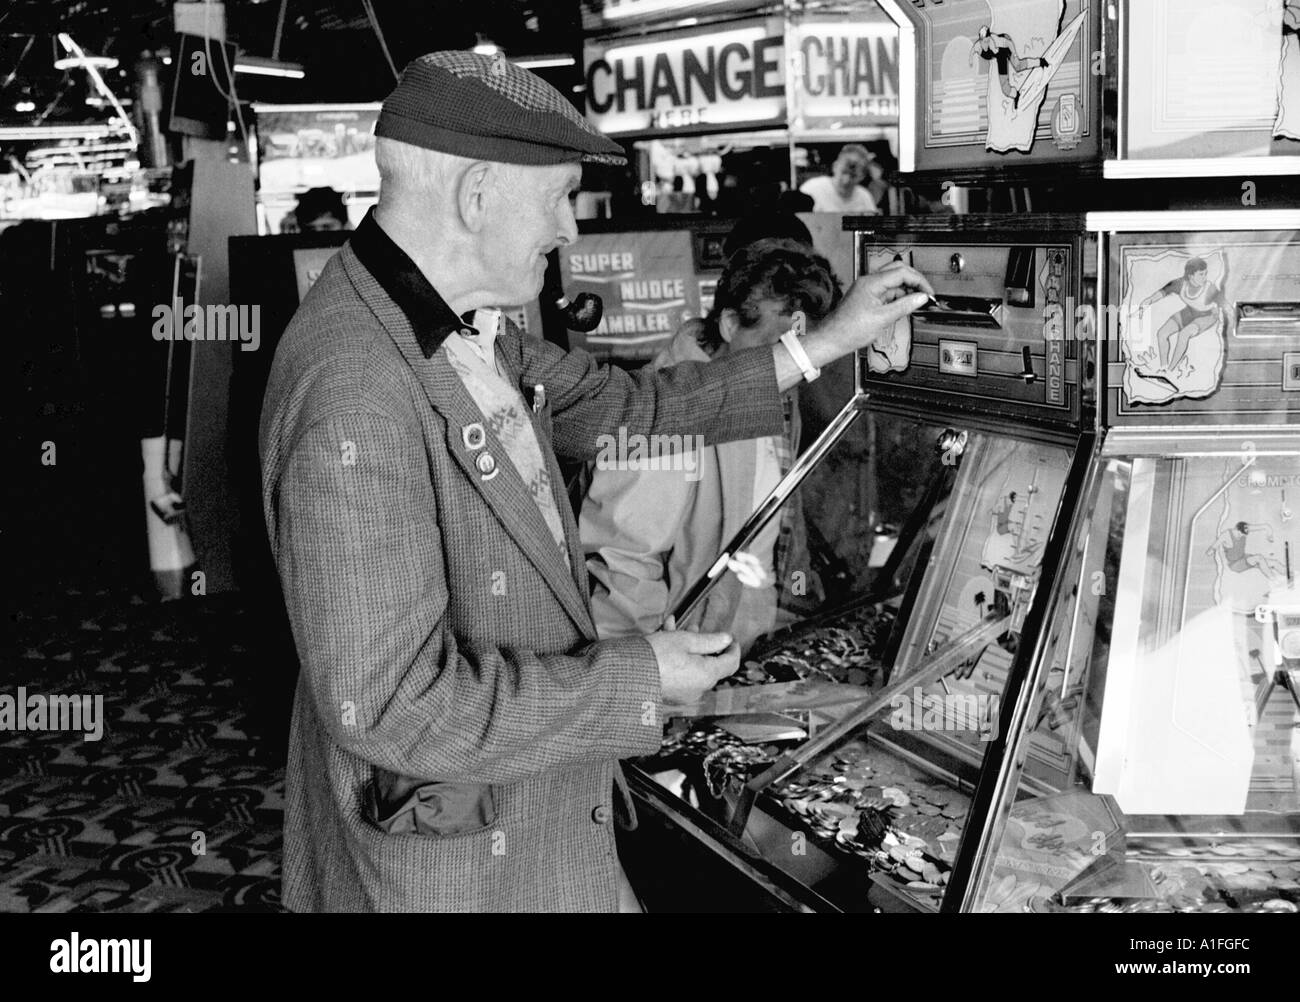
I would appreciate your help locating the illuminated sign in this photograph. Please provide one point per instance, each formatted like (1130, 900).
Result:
(845, 74)
(840, 75)
(719, 78)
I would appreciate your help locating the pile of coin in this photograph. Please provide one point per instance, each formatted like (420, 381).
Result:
(730, 766)
(846, 650)
(696, 742)
(870, 806)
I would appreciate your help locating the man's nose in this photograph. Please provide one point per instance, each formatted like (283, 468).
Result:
(568, 228)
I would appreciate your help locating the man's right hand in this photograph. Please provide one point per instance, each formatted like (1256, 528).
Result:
(690, 664)
(868, 312)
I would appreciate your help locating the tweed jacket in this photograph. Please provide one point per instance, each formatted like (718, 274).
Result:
(456, 726)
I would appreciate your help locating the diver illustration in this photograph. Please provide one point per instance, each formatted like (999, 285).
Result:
(993, 46)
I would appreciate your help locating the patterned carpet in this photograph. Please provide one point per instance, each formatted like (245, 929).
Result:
(190, 759)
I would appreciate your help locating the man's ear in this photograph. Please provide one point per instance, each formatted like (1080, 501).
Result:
(728, 324)
(472, 194)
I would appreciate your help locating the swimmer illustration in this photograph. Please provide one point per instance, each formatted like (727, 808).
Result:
(1016, 525)
(991, 45)
(1174, 331)
(1232, 545)
(1201, 311)
(1002, 515)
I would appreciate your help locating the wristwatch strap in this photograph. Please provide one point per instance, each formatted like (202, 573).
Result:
(791, 341)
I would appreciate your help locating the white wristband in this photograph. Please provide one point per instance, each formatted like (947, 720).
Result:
(791, 341)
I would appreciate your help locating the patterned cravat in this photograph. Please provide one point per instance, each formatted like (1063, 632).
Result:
(506, 415)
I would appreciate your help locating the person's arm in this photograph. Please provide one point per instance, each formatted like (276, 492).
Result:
(359, 549)
(1173, 288)
(629, 524)
(731, 398)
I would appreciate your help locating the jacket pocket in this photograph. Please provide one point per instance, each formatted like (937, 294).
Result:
(402, 805)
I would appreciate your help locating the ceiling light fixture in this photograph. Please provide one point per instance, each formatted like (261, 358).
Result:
(85, 62)
(485, 46)
(541, 62)
(260, 66)
(25, 106)
(91, 65)
(19, 132)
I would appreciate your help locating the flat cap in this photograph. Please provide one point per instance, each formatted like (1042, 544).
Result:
(487, 108)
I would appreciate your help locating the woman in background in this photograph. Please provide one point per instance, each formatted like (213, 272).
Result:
(649, 534)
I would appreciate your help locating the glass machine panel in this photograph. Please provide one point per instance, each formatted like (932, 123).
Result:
(1210, 78)
(1160, 768)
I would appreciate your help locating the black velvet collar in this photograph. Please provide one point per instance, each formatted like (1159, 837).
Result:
(430, 316)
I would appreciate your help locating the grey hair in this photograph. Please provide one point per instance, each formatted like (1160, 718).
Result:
(415, 170)
(855, 151)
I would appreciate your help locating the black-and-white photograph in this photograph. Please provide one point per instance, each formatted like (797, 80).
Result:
(713, 457)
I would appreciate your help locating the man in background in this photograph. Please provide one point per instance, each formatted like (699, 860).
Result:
(842, 190)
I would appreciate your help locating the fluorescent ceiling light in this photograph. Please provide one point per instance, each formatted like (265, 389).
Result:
(85, 62)
(25, 106)
(54, 131)
(637, 7)
(91, 65)
(540, 62)
(269, 67)
(485, 46)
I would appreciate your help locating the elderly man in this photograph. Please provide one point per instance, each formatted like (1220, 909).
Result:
(457, 726)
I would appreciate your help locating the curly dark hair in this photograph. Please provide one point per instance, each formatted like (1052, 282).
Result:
(771, 269)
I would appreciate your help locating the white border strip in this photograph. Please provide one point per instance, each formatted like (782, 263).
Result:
(1201, 167)
(1193, 220)
(908, 85)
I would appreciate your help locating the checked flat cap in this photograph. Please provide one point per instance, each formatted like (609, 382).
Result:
(487, 108)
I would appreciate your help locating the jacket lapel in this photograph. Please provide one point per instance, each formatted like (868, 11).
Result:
(503, 491)
(577, 558)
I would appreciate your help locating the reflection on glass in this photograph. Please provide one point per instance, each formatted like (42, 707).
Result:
(1162, 773)
(887, 692)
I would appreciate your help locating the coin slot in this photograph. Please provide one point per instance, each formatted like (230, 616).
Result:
(1277, 319)
(962, 311)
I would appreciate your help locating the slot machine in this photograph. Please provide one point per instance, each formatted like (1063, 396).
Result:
(1051, 662)
(885, 706)
(1173, 619)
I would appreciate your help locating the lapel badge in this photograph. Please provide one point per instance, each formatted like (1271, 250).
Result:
(473, 436)
(487, 466)
(539, 398)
